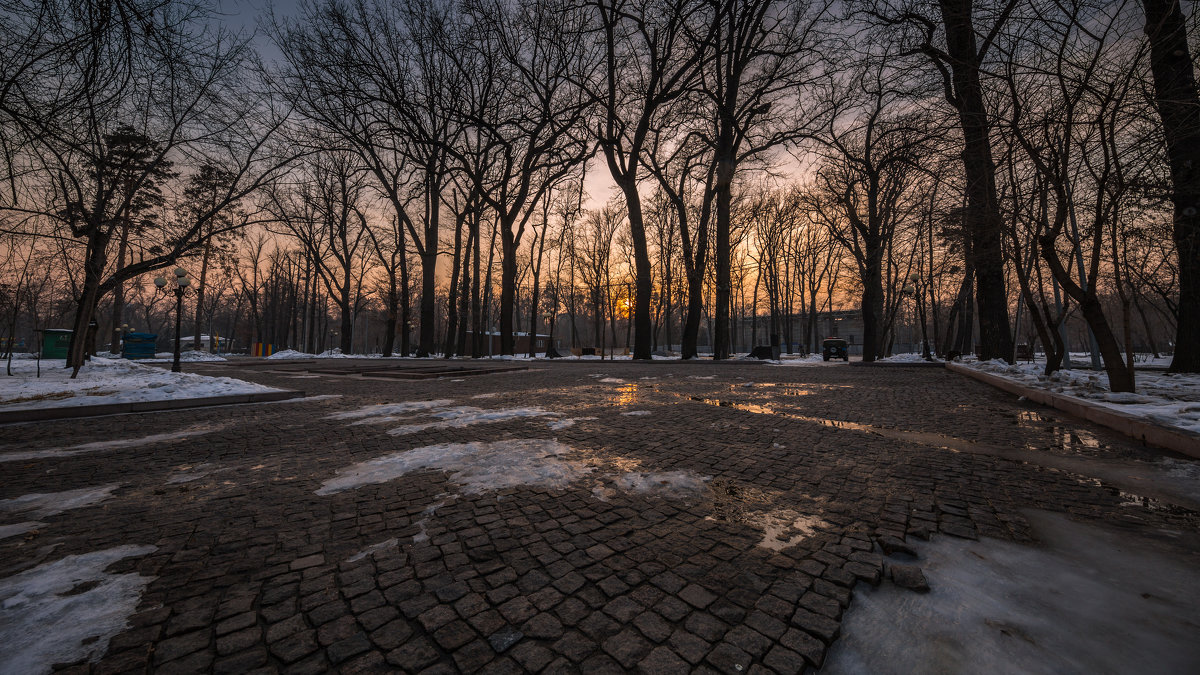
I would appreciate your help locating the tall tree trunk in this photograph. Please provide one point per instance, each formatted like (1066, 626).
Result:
(872, 305)
(508, 287)
(983, 222)
(1179, 107)
(118, 308)
(85, 307)
(452, 290)
(723, 250)
(642, 326)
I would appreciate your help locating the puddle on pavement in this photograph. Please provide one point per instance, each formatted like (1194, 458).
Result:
(920, 437)
(626, 394)
(782, 528)
(1134, 500)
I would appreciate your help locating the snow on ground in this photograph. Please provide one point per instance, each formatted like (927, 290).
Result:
(911, 357)
(72, 599)
(1090, 600)
(1169, 399)
(14, 529)
(188, 474)
(40, 505)
(662, 483)
(389, 409)
(289, 354)
(98, 446)
(190, 356)
(612, 380)
(465, 416)
(568, 422)
(636, 413)
(1177, 468)
(374, 548)
(797, 360)
(104, 381)
(477, 466)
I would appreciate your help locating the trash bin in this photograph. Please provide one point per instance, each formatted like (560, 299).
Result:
(139, 345)
(56, 342)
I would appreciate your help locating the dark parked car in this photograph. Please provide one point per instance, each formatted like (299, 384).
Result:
(835, 348)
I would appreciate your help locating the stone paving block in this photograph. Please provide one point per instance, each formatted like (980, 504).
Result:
(253, 570)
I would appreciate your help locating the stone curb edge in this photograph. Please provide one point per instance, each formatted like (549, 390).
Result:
(1134, 427)
(71, 412)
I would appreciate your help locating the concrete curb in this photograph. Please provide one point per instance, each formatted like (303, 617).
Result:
(1147, 432)
(897, 364)
(71, 412)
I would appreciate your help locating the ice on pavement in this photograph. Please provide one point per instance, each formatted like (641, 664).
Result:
(40, 505)
(389, 409)
(477, 467)
(66, 610)
(662, 483)
(568, 422)
(373, 549)
(465, 416)
(98, 446)
(1089, 600)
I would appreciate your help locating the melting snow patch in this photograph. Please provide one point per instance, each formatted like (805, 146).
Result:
(465, 416)
(373, 549)
(568, 422)
(67, 610)
(613, 380)
(477, 467)
(13, 530)
(1089, 600)
(701, 377)
(636, 413)
(490, 394)
(43, 505)
(108, 445)
(1180, 468)
(662, 484)
(189, 474)
(388, 409)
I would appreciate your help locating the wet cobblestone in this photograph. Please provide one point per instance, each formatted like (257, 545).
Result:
(254, 570)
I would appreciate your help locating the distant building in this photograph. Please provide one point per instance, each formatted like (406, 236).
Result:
(491, 342)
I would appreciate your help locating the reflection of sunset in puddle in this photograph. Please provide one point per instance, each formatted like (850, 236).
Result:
(627, 394)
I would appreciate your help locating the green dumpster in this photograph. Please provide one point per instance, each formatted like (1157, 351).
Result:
(56, 342)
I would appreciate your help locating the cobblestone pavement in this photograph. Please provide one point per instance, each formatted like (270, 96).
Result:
(810, 469)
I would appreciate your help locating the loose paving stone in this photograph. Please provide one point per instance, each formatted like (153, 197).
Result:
(908, 576)
(254, 569)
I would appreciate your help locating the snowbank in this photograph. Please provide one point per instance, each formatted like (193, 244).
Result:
(105, 380)
(1169, 399)
(911, 357)
(190, 356)
(289, 354)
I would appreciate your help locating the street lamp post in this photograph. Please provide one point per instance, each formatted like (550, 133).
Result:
(181, 283)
